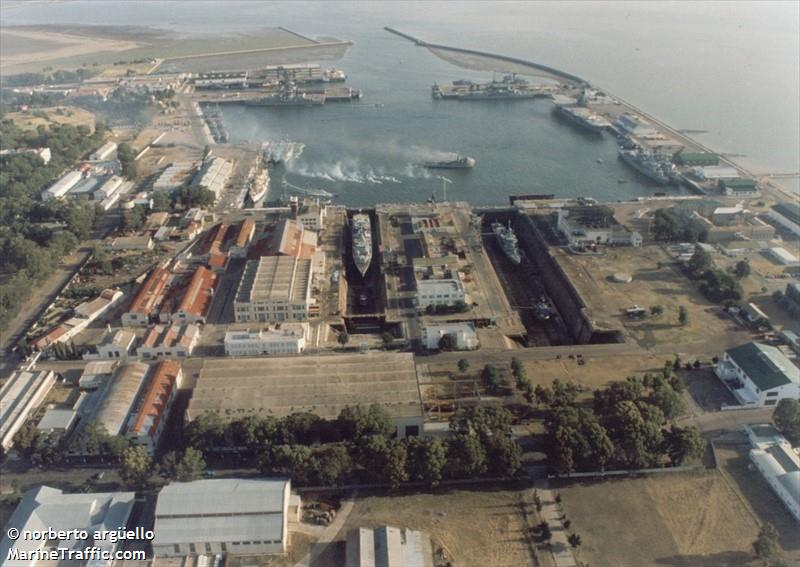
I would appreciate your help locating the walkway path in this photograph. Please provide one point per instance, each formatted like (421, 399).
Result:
(551, 513)
(329, 533)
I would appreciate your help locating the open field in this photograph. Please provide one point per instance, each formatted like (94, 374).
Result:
(71, 115)
(28, 49)
(679, 519)
(476, 527)
(760, 498)
(656, 281)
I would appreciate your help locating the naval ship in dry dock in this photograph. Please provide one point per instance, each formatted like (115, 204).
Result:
(508, 241)
(362, 242)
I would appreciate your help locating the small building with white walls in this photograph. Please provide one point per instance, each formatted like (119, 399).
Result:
(462, 334)
(284, 338)
(758, 375)
(228, 516)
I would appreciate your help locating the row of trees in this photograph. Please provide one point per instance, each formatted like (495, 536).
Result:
(673, 225)
(359, 446)
(631, 425)
(137, 467)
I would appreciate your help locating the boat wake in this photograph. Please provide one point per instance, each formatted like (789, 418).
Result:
(344, 171)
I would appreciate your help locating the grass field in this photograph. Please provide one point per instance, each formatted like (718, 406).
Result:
(688, 520)
(481, 527)
(656, 281)
(55, 115)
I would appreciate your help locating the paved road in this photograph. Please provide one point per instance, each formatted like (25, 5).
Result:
(551, 513)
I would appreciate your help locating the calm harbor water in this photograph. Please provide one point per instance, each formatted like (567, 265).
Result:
(728, 68)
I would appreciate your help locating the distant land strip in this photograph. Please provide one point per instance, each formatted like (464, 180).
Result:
(550, 70)
(258, 50)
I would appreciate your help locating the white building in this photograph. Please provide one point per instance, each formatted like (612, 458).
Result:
(594, 225)
(95, 373)
(229, 516)
(388, 546)
(62, 186)
(286, 338)
(783, 257)
(311, 213)
(19, 396)
(463, 335)
(45, 507)
(104, 151)
(759, 375)
(118, 402)
(169, 341)
(777, 462)
(173, 176)
(214, 174)
(110, 187)
(274, 289)
(43, 153)
(445, 292)
(119, 345)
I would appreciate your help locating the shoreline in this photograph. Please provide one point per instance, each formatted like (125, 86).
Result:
(550, 72)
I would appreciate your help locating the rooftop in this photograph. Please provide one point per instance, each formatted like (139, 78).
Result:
(199, 293)
(275, 278)
(154, 400)
(151, 292)
(765, 365)
(126, 382)
(322, 385)
(291, 239)
(221, 510)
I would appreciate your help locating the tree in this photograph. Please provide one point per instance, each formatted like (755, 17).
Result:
(136, 467)
(491, 378)
(387, 338)
(766, 545)
(295, 461)
(700, 261)
(332, 464)
(133, 219)
(191, 466)
(466, 457)
(384, 460)
(574, 540)
(206, 432)
(786, 417)
(463, 365)
(668, 400)
(742, 269)
(426, 459)
(355, 422)
(447, 342)
(683, 444)
(343, 338)
(161, 202)
(683, 316)
(503, 456)
(656, 310)
(545, 531)
(127, 159)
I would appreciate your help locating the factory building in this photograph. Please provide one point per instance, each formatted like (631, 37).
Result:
(244, 235)
(286, 338)
(235, 79)
(175, 341)
(758, 375)
(83, 315)
(290, 238)
(154, 405)
(224, 516)
(197, 298)
(44, 153)
(148, 299)
(787, 215)
(274, 289)
(388, 546)
(462, 334)
(310, 212)
(280, 386)
(62, 186)
(19, 396)
(45, 507)
(696, 158)
(443, 291)
(139, 242)
(110, 187)
(118, 345)
(96, 373)
(739, 187)
(584, 226)
(104, 152)
(173, 176)
(126, 383)
(773, 457)
(213, 174)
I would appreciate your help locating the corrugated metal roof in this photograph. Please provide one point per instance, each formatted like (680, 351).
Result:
(765, 365)
(126, 382)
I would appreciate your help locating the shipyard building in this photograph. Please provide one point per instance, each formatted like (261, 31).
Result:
(275, 289)
(322, 385)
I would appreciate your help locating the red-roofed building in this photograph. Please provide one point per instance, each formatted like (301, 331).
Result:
(171, 341)
(244, 235)
(55, 335)
(154, 405)
(197, 299)
(148, 299)
(290, 238)
(218, 261)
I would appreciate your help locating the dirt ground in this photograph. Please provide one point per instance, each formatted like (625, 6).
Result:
(734, 462)
(55, 115)
(481, 527)
(690, 519)
(656, 281)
